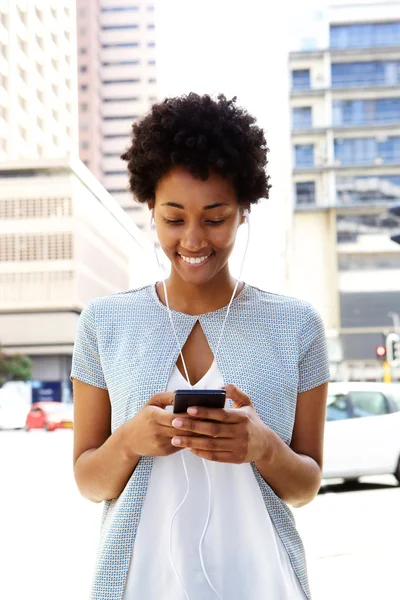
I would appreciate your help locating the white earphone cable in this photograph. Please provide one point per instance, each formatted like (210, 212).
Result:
(246, 214)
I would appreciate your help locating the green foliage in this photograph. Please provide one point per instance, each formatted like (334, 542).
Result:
(14, 367)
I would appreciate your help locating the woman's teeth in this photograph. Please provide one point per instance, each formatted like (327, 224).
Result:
(194, 261)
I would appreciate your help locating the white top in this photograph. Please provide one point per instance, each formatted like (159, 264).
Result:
(243, 554)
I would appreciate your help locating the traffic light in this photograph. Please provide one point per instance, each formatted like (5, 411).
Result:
(381, 352)
(395, 210)
(393, 349)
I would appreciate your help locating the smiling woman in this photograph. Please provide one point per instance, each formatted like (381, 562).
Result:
(199, 164)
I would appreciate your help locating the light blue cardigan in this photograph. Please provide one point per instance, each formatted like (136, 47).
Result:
(273, 348)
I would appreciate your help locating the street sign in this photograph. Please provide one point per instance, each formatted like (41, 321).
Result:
(393, 349)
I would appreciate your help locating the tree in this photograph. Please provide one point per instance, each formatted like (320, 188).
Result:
(14, 367)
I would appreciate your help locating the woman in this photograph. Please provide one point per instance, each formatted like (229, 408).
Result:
(199, 164)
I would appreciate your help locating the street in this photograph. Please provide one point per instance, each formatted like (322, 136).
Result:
(49, 532)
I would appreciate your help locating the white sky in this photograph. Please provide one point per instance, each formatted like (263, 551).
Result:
(240, 48)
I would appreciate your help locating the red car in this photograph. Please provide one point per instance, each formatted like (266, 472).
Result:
(49, 416)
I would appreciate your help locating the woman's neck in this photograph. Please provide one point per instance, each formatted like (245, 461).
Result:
(196, 299)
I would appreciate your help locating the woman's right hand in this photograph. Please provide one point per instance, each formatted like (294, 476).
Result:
(150, 431)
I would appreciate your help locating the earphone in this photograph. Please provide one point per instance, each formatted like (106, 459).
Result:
(247, 217)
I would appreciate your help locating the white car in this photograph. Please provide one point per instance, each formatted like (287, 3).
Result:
(13, 410)
(362, 432)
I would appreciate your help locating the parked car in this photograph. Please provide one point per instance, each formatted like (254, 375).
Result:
(49, 416)
(362, 433)
(13, 409)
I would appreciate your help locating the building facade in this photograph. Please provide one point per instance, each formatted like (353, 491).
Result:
(64, 239)
(117, 85)
(345, 105)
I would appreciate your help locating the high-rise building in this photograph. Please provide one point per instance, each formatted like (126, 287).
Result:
(345, 103)
(117, 84)
(63, 239)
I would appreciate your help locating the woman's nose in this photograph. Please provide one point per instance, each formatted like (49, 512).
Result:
(193, 240)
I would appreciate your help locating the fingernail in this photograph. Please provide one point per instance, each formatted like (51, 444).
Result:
(177, 422)
(176, 441)
(192, 411)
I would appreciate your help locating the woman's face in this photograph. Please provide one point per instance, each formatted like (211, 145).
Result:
(196, 223)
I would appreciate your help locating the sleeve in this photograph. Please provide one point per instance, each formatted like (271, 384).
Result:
(86, 364)
(313, 353)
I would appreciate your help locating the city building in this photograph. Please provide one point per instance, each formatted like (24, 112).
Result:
(345, 105)
(116, 85)
(64, 239)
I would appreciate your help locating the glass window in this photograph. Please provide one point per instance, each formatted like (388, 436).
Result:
(358, 112)
(302, 117)
(389, 150)
(121, 45)
(368, 404)
(120, 9)
(110, 27)
(337, 408)
(301, 79)
(114, 81)
(372, 73)
(372, 189)
(305, 193)
(121, 62)
(356, 229)
(304, 155)
(355, 151)
(363, 35)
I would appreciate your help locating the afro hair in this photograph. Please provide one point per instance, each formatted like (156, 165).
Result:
(202, 135)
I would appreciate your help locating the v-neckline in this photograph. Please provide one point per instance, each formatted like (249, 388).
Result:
(200, 380)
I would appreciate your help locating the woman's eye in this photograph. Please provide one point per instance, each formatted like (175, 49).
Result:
(170, 222)
(216, 222)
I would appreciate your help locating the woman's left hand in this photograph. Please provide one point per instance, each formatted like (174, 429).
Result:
(231, 435)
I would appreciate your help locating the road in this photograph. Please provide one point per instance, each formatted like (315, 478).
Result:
(49, 533)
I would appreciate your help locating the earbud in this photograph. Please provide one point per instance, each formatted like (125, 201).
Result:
(246, 213)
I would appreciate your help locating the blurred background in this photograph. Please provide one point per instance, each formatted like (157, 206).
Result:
(323, 80)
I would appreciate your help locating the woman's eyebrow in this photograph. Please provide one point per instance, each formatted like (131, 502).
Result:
(209, 207)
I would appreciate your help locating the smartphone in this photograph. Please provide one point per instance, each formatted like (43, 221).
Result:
(208, 398)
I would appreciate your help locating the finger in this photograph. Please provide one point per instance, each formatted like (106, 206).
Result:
(204, 443)
(223, 415)
(162, 399)
(239, 398)
(208, 428)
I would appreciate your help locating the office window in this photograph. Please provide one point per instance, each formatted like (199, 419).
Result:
(84, 145)
(121, 118)
(151, 26)
(83, 68)
(151, 44)
(301, 79)
(116, 172)
(359, 112)
(128, 99)
(301, 117)
(304, 155)
(355, 151)
(305, 193)
(120, 9)
(121, 45)
(389, 150)
(114, 81)
(152, 80)
(364, 35)
(367, 189)
(83, 88)
(372, 73)
(84, 107)
(367, 150)
(110, 27)
(121, 62)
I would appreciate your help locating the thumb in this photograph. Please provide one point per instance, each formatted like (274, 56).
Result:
(239, 398)
(162, 399)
